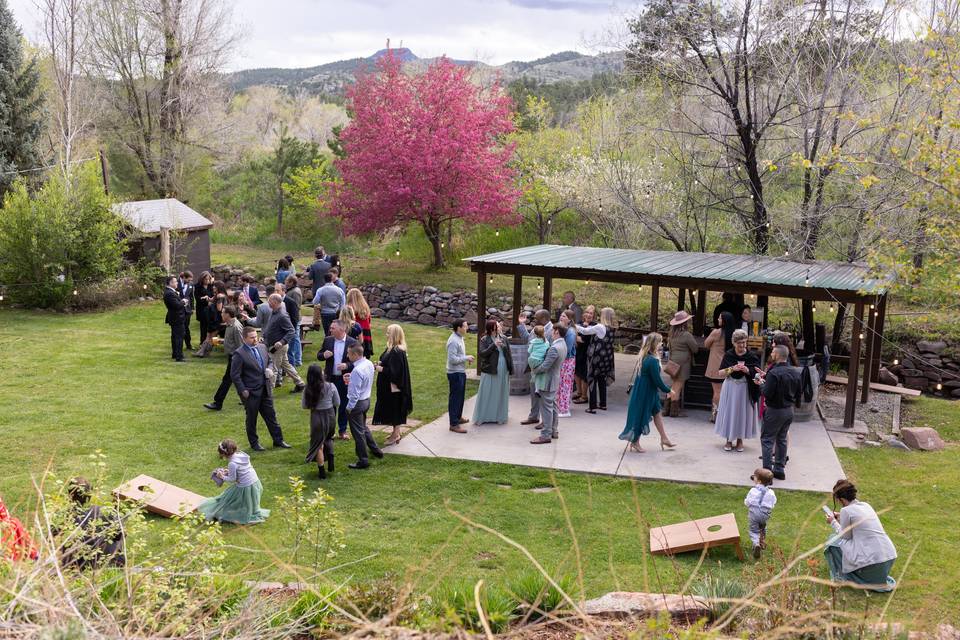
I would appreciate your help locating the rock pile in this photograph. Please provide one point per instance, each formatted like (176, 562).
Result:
(926, 367)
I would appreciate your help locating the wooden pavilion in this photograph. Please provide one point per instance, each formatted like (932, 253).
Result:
(763, 276)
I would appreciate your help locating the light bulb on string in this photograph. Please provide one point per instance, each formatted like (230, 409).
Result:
(491, 279)
(550, 221)
(871, 307)
(538, 285)
(443, 245)
(144, 286)
(939, 387)
(498, 233)
(896, 361)
(861, 336)
(74, 292)
(814, 308)
(639, 287)
(831, 308)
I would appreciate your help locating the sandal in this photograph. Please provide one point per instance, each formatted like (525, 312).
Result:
(728, 447)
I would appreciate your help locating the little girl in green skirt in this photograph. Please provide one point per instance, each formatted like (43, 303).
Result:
(240, 503)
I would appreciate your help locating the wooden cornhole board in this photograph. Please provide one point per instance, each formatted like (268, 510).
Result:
(158, 496)
(695, 535)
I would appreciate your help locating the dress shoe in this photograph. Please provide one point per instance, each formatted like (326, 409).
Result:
(321, 472)
(539, 426)
(464, 420)
(281, 445)
(213, 406)
(555, 435)
(541, 441)
(179, 359)
(779, 475)
(377, 453)
(359, 465)
(298, 388)
(257, 447)
(458, 429)
(531, 421)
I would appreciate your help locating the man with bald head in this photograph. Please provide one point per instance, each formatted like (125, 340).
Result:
(780, 388)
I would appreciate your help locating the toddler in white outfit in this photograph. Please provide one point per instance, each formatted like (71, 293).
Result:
(760, 501)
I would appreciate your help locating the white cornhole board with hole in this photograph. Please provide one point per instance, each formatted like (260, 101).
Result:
(695, 535)
(158, 496)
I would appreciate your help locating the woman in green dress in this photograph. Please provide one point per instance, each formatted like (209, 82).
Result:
(645, 396)
(496, 367)
(239, 504)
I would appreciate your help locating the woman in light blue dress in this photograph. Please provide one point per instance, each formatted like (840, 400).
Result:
(240, 503)
(496, 367)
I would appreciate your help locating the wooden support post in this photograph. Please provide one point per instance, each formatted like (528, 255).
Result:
(517, 304)
(165, 248)
(681, 299)
(481, 310)
(879, 326)
(654, 308)
(700, 319)
(105, 171)
(870, 344)
(850, 408)
(548, 294)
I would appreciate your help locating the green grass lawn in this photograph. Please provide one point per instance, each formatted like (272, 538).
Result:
(75, 384)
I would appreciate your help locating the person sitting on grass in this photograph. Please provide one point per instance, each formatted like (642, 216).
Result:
(860, 552)
(97, 539)
(240, 503)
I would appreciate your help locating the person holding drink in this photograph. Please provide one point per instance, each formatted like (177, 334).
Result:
(737, 412)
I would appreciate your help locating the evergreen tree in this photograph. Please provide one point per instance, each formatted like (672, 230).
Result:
(20, 103)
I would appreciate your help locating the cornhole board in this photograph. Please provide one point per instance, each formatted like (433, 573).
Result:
(695, 535)
(159, 497)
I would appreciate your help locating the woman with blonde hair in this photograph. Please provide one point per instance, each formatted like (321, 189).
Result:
(349, 320)
(361, 311)
(587, 319)
(394, 388)
(645, 397)
(600, 366)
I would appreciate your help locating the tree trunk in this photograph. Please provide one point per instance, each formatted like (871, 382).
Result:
(170, 107)
(432, 228)
(280, 209)
(838, 328)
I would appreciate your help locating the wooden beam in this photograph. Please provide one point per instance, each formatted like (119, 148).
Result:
(681, 298)
(700, 319)
(654, 307)
(870, 344)
(481, 310)
(850, 408)
(517, 304)
(548, 293)
(876, 386)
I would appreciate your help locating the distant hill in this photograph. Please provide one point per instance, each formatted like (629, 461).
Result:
(332, 78)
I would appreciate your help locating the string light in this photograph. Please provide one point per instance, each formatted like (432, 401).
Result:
(491, 279)
(861, 336)
(550, 221)
(871, 307)
(443, 245)
(144, 286)
(939, 387)
(831, 307)
(538, 285)
(814, 308)
(74, 292)
(397, 252)
(587, 281)
(1, 297)
(896, 361)
(498, 233)
(639, 287)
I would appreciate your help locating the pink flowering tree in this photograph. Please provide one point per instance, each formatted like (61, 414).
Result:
(425, 149)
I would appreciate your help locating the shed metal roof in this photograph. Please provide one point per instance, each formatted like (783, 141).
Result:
(716, 267)
(149, 215)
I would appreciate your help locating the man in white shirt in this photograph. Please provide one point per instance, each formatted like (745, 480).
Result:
(359, 385)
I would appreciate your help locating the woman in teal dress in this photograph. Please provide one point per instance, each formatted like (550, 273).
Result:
(645, 397)
(496, 367)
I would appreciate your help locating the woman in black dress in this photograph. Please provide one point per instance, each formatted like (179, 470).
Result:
(394, 390)
(204, 295)
(580, 362)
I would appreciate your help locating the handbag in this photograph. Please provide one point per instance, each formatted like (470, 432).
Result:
(672, 368)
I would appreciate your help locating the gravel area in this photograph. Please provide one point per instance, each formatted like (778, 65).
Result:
(877, 413)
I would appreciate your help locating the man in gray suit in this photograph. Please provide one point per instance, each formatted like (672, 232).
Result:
(252, 371)
(277, 335)
(551, 365)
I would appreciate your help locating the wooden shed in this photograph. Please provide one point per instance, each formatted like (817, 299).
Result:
(189, 233)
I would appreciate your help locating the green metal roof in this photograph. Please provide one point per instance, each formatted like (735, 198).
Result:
(716, 267)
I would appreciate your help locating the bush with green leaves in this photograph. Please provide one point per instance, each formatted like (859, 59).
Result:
(312, 527)
(721, 593)
(58, 239)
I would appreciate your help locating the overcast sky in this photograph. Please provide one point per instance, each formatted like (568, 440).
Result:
(302, 33)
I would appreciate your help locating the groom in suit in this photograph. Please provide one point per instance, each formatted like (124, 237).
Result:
(333, 353)
(176, 316)
(251, 370)
(552, 362)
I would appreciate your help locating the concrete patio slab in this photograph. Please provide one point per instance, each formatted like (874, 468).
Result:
(589, 443)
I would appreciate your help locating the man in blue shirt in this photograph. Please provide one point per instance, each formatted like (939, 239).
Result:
(359, 386)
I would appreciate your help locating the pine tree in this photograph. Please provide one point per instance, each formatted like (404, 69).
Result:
(21, 103)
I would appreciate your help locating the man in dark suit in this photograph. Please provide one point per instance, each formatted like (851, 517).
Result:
(185, 289)
(252, 371)
(318, 269)
(333, 352)
(252, 291)
(176, 316)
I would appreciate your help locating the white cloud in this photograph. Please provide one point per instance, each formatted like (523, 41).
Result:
(302, 33)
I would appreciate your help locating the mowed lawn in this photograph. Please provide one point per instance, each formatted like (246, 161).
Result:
(72, 384)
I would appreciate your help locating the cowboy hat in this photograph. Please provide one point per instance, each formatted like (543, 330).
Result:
(680, 317)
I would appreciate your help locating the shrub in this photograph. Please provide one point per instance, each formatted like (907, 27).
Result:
(459, 608)
(721, 593)
(538, 597)
(312, 527)
(60, 238)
